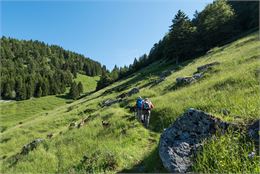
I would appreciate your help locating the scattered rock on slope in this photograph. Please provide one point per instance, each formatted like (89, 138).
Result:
(123, 95)
(109, 102)
(207, 66)
(126, 94)
(183, 138)
(196, 76)
(133, 91)
(185, 80)
(31, 146)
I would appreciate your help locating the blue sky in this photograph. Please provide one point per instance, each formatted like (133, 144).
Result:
(111, 32)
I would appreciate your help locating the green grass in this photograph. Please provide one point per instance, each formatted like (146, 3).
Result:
(126, 146)
(21, 111)
(89, 83)
(227, 153)
(14, 112)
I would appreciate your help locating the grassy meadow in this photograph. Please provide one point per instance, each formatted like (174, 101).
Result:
(126, 146)
(89, 83)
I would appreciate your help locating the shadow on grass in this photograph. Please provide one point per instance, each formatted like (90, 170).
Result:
(64, 96)
(150, 164)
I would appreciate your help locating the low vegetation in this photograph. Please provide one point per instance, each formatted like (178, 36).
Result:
(125, 145)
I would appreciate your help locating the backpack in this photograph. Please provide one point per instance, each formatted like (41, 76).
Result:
(146, 105)
(139, 103)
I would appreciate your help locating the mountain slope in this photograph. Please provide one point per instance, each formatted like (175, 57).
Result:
(126, 145)
(34, 69)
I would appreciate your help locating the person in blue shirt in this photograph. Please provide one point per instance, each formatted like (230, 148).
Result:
(138, 105)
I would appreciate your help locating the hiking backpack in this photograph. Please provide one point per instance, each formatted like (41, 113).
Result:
(139, 103)
(146, 105)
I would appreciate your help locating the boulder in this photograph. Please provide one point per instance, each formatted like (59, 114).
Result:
(184, 138)
(185, 80)
(253, 132)
(197, 76)
(133, 91)
(31, 146)
(109, 102)
(205, 67)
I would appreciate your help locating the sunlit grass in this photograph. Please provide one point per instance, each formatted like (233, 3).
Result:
(232, 85)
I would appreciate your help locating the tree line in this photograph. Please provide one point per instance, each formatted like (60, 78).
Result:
(35, 69)
(186, 39)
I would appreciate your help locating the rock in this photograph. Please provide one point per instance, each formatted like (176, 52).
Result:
(123, 95)
(105, 123)
(205, 67)
(251, 155)
(253, 132)
(165, 73)
(185, 80)
(197, 76)
(133, 91)
(188, 80)
(109, 102)
(31, 146)
(184, 138)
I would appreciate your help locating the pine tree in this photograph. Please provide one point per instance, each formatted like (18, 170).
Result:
(181, 35)
(80, 87)
(20, 89)
(39, 92)
(74, 92)
(7, 93)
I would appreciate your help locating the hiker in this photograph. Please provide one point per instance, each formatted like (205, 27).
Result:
(138, 105)
(146, 107)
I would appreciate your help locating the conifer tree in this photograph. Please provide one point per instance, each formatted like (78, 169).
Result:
(74, 92)
(80, 88)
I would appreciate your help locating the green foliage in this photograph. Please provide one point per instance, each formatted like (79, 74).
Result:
(104, 81)
(215, 24)
(181, 38)
(74, 91)
(80, 88)
(34, 69)
(247, 14)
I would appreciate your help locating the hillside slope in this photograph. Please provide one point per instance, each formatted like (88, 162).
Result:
(125, 145)
(35, 69)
